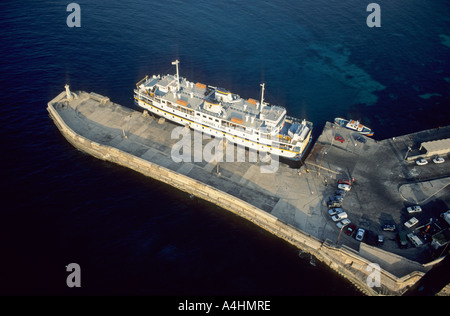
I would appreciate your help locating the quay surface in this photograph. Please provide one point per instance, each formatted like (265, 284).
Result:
(286, 203)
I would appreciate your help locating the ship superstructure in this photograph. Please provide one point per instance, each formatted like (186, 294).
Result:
(218, 112)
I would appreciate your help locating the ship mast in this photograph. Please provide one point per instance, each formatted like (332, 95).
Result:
(262, 94)
(176, 62)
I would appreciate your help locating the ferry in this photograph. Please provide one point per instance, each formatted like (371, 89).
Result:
(354, 125)
(218, 112)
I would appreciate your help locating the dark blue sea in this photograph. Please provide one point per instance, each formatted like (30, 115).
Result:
(132, 235)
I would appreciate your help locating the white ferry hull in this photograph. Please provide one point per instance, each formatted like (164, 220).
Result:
(185, 119)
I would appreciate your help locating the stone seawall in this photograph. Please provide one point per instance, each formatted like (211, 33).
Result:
(343, 260)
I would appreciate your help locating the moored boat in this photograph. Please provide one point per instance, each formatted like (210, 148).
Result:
(354, 125)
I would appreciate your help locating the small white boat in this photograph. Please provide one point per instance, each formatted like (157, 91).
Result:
(354, 125)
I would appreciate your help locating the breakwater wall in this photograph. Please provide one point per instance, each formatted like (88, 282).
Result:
(345, 261)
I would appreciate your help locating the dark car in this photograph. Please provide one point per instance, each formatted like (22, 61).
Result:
(380, 240)
(339, 139)
(360, 139)
(332, 204)
(402, 242)
(350, 230)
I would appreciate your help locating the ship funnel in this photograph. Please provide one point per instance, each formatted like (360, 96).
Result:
(68, 93)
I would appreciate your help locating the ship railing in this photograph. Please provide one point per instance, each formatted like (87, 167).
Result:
(284, 139)
(139, 83)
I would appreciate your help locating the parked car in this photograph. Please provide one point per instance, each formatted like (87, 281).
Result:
(380, 240)
(344, 187)
(415, 240)
(389, 227)
(345, 181)
(332, 204)
(339, 216)
(340, 192)
(413, 221)
(360, 139)
(350, 229)
(438, 160)
(446, 216)
(343, 223)
(414, 209)
(401, 238)
(334, 211)
(339, 198)
(421, 162)
(339, 139)
(360, 234)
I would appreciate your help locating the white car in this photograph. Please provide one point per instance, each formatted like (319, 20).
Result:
(438, 160)
(344, 187)
(360, 234)
(413, 221)
(421, 162)
(446, 216)
(414, 209)
(339, 216)
(343, 223)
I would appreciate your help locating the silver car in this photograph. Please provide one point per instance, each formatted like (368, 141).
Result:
(414, 209)
(334, 211)
(360, 234)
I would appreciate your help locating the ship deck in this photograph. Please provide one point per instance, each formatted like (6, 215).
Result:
(246, 110)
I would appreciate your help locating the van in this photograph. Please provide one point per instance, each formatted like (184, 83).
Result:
(402, 242)
(415, 240)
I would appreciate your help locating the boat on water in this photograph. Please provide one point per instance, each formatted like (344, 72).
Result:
(354, 125)
(217, 112)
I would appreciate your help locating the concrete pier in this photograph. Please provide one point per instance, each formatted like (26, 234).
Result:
(286, 203)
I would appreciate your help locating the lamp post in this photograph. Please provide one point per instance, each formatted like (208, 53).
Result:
(407, 152)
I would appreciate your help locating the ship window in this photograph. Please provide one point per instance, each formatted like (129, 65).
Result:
(198, 114)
